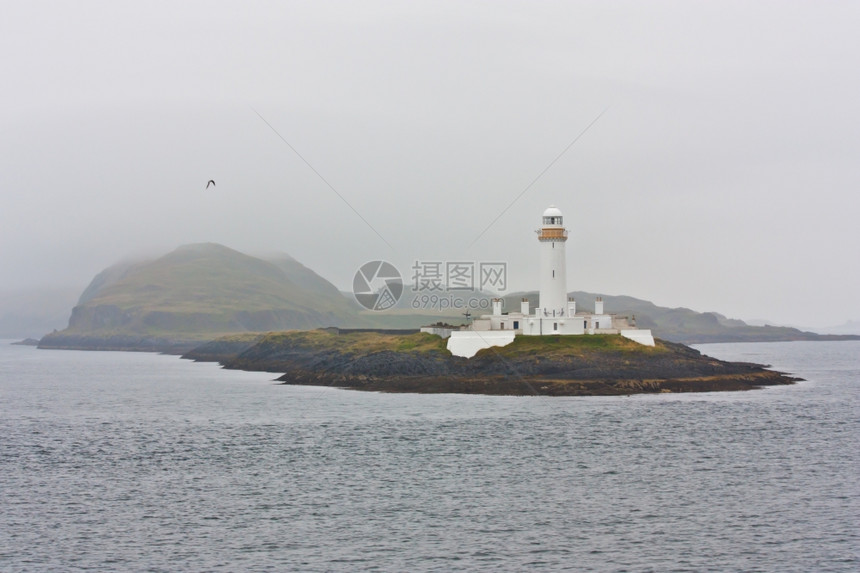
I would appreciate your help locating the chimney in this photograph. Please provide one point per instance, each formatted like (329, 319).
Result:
(497, 306)
(598, 305)
(571, 307)
(524, 306)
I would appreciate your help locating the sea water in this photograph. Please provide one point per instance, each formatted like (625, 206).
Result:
(141, 462)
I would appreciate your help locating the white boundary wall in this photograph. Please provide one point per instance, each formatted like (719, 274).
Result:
(467, 343)
(643, 337)
(441, 331)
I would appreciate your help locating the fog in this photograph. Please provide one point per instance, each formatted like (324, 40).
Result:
(722, 175)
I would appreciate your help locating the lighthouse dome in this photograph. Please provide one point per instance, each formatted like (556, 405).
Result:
(552, 217)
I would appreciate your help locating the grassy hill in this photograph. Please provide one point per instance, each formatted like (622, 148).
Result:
(205, 278)
(199, 291)
(202, 291)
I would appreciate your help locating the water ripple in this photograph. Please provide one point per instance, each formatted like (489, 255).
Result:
(144, 462)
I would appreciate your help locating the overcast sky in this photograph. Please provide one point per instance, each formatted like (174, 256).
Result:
(724, 174)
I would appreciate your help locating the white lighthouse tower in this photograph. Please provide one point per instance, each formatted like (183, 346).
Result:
(553, 270)
(555, 314)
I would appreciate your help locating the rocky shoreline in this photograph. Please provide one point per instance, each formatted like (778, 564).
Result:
(420, 363)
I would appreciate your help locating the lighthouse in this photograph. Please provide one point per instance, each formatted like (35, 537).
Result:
(553, 270)
(555, 314)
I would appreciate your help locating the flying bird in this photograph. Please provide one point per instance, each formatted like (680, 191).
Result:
(211, 182)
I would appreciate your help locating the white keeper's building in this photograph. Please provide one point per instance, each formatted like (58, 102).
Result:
(556, 313)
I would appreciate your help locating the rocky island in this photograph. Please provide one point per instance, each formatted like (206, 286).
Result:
(390, 361)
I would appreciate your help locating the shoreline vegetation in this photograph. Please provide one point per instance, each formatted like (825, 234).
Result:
(385, 361)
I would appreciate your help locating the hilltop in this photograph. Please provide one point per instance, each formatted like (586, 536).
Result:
(194, 294)
(199, 292)
(548, 365)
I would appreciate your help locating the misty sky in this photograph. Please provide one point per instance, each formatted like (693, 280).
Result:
(724, 174)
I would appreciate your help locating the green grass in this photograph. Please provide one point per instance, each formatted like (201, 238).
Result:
(363, 343)
(243, 337)
(358, 343)
(550, 346)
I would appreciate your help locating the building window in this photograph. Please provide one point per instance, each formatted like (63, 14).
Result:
(516, 324)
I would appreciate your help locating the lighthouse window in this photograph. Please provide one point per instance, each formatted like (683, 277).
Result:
(553, 273)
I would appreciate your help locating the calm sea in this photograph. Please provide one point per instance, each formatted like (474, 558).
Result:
(142, 462)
